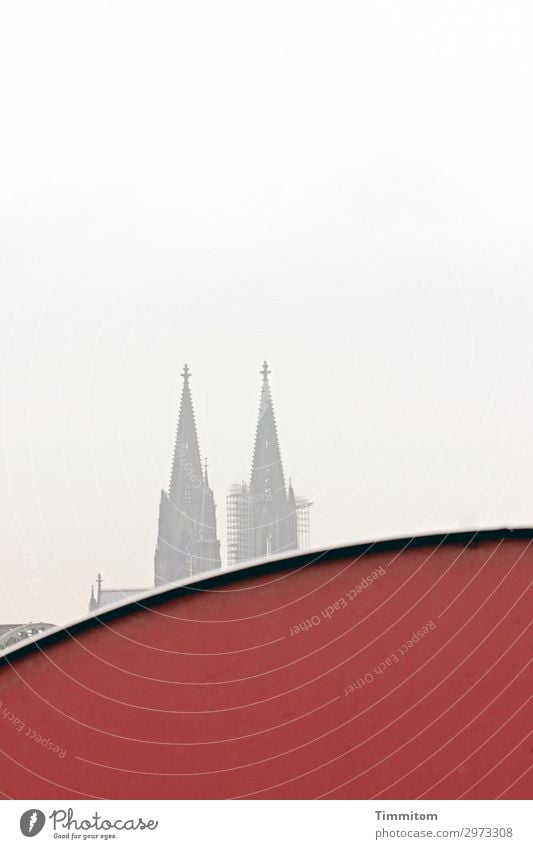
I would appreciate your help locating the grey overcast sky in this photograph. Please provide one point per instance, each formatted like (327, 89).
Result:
(343, 188)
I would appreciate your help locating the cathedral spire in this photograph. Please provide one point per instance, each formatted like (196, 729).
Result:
(186, 464)
(267, 470)
(187, 541)
(263, 517)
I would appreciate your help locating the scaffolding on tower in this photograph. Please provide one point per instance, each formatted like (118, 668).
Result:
(303, 524)
(240, 523)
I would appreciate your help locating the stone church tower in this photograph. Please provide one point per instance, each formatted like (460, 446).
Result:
(265, 517)
(187, 543)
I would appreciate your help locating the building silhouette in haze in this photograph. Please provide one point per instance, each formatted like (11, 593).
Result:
(187, 542)
(265, 517)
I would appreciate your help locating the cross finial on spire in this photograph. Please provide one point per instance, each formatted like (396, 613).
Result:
(186, 373)
(265, 371)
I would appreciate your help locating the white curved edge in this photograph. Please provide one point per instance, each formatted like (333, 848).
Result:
(318, 551)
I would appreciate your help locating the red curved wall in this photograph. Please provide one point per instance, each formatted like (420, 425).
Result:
(213, 692)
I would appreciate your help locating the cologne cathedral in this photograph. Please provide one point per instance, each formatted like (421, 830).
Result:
(187, 543)
(264, 517)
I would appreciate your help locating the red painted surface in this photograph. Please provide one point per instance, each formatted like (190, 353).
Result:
(204, 693)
